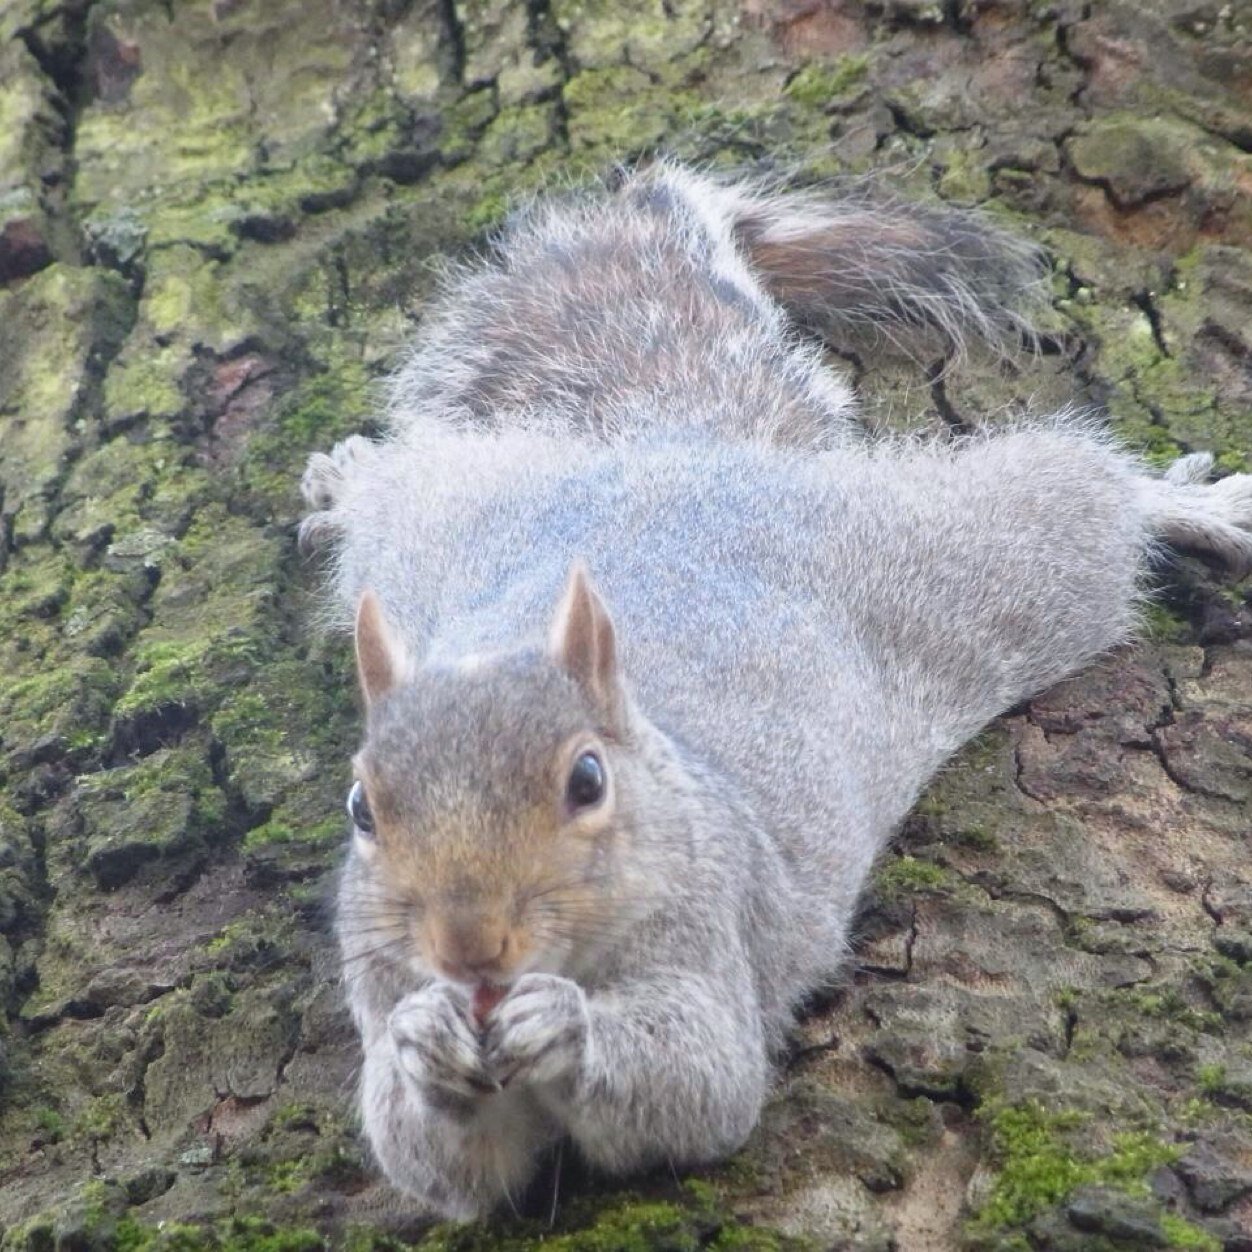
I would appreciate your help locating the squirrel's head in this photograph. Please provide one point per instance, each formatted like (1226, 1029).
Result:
(490, 805)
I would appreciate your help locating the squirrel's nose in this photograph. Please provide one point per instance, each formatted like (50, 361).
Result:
(468, 946)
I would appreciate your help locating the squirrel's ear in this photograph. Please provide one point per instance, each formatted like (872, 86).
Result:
(582, 641)
(381, 661)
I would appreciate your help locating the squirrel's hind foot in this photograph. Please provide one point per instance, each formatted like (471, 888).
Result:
(322, 485)
(1188, 511)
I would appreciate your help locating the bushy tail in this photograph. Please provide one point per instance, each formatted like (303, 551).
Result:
(854, 260)
(663, 302)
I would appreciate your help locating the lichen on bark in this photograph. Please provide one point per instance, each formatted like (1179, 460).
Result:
(217, 223)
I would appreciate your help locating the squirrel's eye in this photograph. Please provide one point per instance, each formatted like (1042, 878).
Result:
(359, 809)
(586, 783)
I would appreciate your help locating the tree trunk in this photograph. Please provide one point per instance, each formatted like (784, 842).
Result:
(217, 223)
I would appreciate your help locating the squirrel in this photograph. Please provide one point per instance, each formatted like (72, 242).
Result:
(657, 648)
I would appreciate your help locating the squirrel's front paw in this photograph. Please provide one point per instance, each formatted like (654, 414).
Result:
(538, 1032)
(436, 1043)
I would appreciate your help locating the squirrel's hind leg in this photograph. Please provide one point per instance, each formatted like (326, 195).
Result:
(1186, 510)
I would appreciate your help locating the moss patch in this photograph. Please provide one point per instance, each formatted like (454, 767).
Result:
(821, 83)
(902, 875)
(1038, 1168)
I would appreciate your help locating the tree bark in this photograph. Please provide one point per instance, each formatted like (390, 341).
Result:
(217, 223)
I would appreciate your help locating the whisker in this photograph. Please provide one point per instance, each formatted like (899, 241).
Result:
(556, 1183)
(391, 945)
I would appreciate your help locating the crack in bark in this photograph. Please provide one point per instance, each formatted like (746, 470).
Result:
(936, 374)
(1144, 300)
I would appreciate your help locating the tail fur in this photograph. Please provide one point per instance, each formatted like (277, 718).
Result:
(854, 260)
(671, 301)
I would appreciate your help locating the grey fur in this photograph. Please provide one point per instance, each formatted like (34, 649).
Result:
(807, 626)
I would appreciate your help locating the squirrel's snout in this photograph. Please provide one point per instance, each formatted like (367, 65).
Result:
(469, 948)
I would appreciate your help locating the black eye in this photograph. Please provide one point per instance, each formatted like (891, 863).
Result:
(359, 810)
(586, 782)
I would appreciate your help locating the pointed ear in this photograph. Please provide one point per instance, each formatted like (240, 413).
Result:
(583, 643)
(381, 660)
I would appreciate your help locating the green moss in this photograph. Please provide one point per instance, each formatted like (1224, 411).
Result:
(33, 1235)
(289, 1176)
(1211, 1079)
(119, 490)
(333, 1159)
(271, 204)
(211, 993)
(176, 292)
(1067, 997)
(50, 1121)
(1151, 1003)
(333, 403)
(1038, 1168)
(328, 832)
(58, 323)
(620, 112)
(279, 736)
(238, 1235)
(489, 212)
(819, 83)
(377, 135)
(964, 175)
(974, 836)
(329, 406)
(100, 1118)
(747, 1239)
(36, 587)
(464, 123)
(209, 617)
(146, 384)
(1229, 982)
(201, 217)
(1154, 396)
(294, 1116)
(1163, 626)
(166, 673)
(903, 875)
(1183, 1234)
(1159, 448)
(518, 134)
(693, 1220)
(1194, 1113)
(628, 1225)
(1167, 1003)
(367, 1239)
(916, 1120)
(69, 696)
(252, 940)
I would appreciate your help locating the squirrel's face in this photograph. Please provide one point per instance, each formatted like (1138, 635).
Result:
(488, 810)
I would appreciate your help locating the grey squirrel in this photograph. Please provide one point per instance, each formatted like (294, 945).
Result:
(657, 649)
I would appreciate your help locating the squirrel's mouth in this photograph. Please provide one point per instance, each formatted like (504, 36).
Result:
(485, 998)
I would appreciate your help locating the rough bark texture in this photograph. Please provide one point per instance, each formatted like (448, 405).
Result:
(217, 222)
